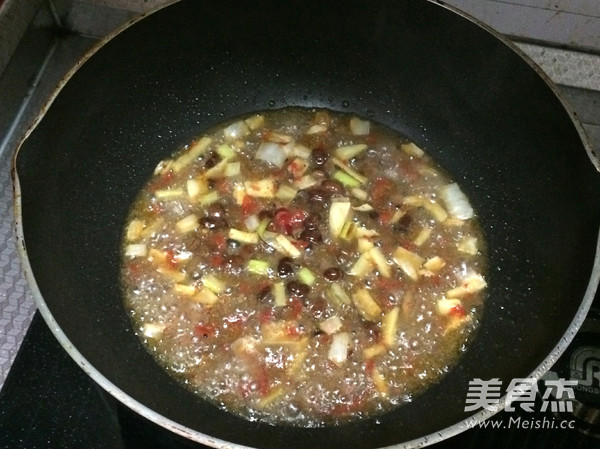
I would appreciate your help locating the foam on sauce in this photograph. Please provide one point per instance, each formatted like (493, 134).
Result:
(305, 267)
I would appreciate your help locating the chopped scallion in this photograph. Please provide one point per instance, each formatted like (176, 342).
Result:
(225, 151)
(257, 266)
(187, 224)
(286, 193)
(209, 198)
(262, 227)
(345, 179)
(279, 294)
(213, 284)
(338, 295)
(350, 151)
(232, 169)
(167, 194)
(244, 237)
(306, 276)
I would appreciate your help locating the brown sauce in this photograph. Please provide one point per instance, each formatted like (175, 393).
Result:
(303, 266)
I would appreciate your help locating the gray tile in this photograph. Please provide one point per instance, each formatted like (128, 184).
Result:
(15, 18)
(570, 68)
(581, 7)
(585, 102)
(95, 20)
(536, 24)
(131, 5)
(593, 133)
(16, 303)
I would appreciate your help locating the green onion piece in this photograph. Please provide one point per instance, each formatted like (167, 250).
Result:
(194, 150)
(244, 237)
(262, 227)
(286, 193)
(345, 179)
(225, 151)
(187, 224)
(337, 294)
(257, 266)
(167, 194)
(306, 276)
(209, 198)
(232, 169)
(350, 151)
(347, 230)
(213, 284)
(279, 293)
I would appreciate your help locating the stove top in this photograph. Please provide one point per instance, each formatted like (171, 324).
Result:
(49, 402)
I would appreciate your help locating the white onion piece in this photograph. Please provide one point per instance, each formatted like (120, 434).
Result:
(456, 201)
(152, 330)
(136, 250)
(331, 325)
(338, 351)
(252, 223)
(359, 127)
(271, 152)
(236, 130)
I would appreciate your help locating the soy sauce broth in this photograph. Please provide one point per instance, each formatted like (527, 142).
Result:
(303, 266)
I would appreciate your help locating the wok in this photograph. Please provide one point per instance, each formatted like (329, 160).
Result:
(455, 88)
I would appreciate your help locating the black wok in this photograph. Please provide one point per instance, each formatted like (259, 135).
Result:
(456, 89)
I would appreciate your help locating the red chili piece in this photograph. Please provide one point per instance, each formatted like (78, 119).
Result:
(287, 221)
(457, 311)
(171, 260)
(205, 330)
(250, 206)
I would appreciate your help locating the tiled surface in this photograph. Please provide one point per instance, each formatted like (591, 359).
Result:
(16, 303)
(564, 22)
(19, 14)
(565, 67)
(572, 23)
(97, 18)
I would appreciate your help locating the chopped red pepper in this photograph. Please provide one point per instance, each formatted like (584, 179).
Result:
(205, 330)
(223, 185)
(170, 259)
(457, 311)
(300, 244)
(382, 188)
(287, 221)
(291, 330)
(250, 206)
(296, 168)
(385, 216)
(220, 240)
(370, 366)
(134, 270)
(263, 383)
(157, 208)
(294, 307)
(266, 316)
(216, 260)
(162, 181)
(409, 170)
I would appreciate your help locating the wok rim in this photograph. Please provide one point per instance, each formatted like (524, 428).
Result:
(202, 438)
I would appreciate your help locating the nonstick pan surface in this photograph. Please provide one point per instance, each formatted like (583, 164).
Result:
(456, 89)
